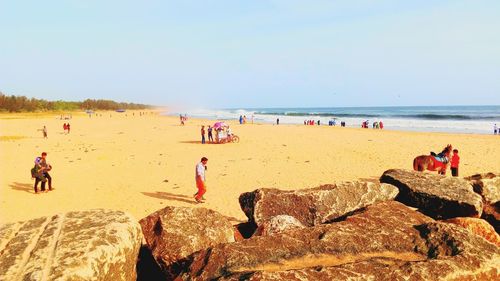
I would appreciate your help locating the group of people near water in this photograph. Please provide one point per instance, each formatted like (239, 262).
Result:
(243, 119)
(312, 122)
(375, 125)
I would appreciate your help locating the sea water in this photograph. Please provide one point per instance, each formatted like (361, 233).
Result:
(451, 119)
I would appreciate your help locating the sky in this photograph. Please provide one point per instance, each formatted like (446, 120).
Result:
(251, 54)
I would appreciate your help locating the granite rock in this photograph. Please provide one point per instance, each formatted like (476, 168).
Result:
(479, 227)
(173, 233)
(314, 206)
(488, 186)
(387, 241)
(437, 196)
(278, 224)
(83, 245)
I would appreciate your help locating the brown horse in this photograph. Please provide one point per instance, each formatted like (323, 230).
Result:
(429, 162)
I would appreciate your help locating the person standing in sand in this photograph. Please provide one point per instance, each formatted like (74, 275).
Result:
(455, 160)
(495, 129)
(210, 136)
(200, 179)
(41, 172)
(44, 130)
(203, 134)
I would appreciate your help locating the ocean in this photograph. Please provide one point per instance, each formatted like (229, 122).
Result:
(450, 119)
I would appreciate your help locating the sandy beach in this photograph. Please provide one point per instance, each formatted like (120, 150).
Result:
(143, 163)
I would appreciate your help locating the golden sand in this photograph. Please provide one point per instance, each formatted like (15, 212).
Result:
(140, 164)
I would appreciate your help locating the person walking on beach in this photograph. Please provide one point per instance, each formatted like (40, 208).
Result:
(277, 121)
(495, 129)
(200, 179)
(44, 130)
(65, 128)
(41, 172)
(68, 127)
(455, 160)
(203, 134)
(210, 136)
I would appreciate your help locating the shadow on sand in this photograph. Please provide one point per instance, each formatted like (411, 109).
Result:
(197, 142)
(171, 196)
(27, 187)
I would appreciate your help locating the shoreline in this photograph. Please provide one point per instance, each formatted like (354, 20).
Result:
(452, 119)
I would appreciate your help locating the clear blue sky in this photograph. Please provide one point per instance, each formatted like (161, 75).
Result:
(253, 53)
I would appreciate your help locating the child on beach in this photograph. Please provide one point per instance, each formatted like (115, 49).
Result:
(455, 160)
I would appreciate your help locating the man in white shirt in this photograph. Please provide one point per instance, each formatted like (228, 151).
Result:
(200, 179)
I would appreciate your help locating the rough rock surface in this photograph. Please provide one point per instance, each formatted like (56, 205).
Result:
(435, 195)
(488, 186)
(388, 241)
(314, 206)
(84, 245)
(278, 224)
(174, 233)
(479, 227)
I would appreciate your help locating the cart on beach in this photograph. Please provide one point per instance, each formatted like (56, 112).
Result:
(223, 133)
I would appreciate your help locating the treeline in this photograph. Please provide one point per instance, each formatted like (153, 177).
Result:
(24, 104)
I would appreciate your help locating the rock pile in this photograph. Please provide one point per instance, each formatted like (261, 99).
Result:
(344, 231)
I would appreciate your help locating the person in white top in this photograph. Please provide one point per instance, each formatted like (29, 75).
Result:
(495, 129)
(201, 167)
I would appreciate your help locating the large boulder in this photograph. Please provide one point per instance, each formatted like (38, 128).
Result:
(479, 227)
(174, 233)
(435, 195)
(314, 206)
(84, 245)
(387, 241)
(488, 186)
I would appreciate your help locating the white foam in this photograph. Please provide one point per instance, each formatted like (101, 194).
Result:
(407, 124)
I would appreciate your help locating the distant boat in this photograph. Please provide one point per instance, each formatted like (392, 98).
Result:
(120, 110)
